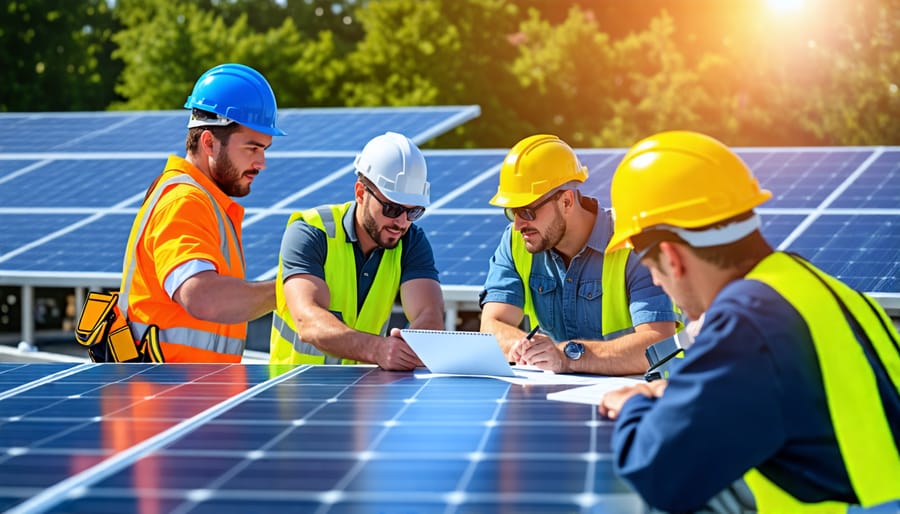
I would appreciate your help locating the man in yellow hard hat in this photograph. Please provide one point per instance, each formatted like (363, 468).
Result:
(793, 382)
(597, 313)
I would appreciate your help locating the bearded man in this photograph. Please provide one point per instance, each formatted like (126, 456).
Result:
(342, 266)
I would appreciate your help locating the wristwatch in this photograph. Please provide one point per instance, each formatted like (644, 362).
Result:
(574, 350)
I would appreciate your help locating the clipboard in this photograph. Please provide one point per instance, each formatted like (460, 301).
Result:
(459, 353)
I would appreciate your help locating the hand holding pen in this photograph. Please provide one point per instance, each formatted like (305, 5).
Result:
(515, 353)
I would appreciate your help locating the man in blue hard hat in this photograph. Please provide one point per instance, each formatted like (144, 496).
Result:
(184, 263)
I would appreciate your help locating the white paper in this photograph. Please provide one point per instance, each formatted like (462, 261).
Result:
(592, 394)
(527, 377)
(459, 353)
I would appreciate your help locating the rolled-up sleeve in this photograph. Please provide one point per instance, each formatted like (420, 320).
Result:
(647, 302)
(503, 284)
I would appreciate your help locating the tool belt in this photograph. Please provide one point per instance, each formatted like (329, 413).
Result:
(104, 331)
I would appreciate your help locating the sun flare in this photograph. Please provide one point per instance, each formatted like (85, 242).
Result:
(785, 6)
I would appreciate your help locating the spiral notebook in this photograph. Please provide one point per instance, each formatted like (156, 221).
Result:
(459, 353)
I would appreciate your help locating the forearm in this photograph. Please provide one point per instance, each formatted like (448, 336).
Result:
(505, 333)
(326, 332)
(621, 356)
(261, 298)
(228, 300)
(428, 319)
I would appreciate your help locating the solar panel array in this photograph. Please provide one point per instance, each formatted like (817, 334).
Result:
(254, 438)
(71, 184)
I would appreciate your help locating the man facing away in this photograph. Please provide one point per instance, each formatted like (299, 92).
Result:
(793, 381)
(597, 313)
(341, 267)
(184, 263)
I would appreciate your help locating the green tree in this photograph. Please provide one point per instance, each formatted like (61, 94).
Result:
(56, 55)
(858, 100)
(427, 52)
(167, 45)
(594, 90)
(337, 17)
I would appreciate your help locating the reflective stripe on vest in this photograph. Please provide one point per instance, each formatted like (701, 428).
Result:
(285, 346)
(615, 314)
(199, 339)
(191, 337)
(861, 428)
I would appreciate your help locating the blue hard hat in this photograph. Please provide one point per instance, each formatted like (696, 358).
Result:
(236, 93)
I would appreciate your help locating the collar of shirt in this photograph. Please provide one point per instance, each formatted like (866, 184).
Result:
(602, 231)
(349, 225)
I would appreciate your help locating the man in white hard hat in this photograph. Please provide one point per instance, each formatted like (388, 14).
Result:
(341, 267)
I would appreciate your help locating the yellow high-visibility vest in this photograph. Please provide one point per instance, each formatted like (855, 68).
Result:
(861, 427)
(615, 314)
(285, 346)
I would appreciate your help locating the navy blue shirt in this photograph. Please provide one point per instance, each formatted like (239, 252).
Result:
(304, 249)
(748, 393)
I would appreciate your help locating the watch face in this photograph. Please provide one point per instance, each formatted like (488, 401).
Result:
(574, 350)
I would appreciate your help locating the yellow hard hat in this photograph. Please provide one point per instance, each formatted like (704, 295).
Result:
(535, 166)
(679, 179)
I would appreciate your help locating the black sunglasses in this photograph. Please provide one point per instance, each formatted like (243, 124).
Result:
(528, 213)
(392, 210)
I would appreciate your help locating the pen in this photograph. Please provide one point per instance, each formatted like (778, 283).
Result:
(530, 335)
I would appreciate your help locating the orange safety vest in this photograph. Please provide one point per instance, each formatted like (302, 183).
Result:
(184, 217)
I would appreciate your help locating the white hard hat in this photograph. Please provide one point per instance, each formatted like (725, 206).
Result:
(397, 168)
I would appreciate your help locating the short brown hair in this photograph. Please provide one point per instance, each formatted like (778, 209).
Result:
(729, 255)
(222, 133)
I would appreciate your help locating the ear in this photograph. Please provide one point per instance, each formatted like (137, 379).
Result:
(207, 143)
(672, 259)
(568, 198)
(359, 191)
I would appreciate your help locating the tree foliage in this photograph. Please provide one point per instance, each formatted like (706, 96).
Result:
(56, 55)
(595, 72)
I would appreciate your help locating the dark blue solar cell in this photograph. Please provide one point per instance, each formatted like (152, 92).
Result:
(82, 183)
(549, 438)
(463, 245)
(291, 474)
(344, 129)
(403, 505)
(421, 438)
(357, 436)
(536, 476)
(43, 470)
(399, 475)
(878, 187)
(233, 436)
(172, 471)
(800, 179)
(862, 250)
(436, 411)
(118, 505)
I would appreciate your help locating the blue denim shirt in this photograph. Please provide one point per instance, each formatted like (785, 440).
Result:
(567, 301)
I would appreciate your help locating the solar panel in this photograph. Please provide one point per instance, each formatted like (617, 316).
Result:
(321, 130)
(67, 214)
(250, 438)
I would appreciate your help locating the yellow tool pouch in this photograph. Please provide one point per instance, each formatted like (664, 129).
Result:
(105, 333)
